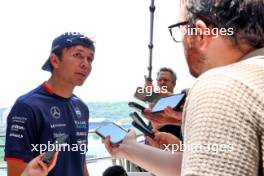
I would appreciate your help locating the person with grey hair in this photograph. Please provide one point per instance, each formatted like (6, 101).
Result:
(166, 80)
(166, 77)
(223, 117)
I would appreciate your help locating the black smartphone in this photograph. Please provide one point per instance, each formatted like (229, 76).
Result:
(135, 116)
(174, 101)
(141, 125)
(60, 140)
(136, 106)
(116, 133)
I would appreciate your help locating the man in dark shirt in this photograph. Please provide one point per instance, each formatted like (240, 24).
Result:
(52, 110)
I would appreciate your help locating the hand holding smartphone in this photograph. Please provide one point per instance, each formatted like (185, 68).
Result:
(48, 156)
(141, 125)
(116, 133)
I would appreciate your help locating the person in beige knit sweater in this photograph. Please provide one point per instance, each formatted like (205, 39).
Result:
(223, 117)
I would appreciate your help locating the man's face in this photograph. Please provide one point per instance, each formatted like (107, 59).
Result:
(165, 79)
(196, 60)
(75, 65)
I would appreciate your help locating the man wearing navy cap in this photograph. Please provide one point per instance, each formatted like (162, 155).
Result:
(52, 110)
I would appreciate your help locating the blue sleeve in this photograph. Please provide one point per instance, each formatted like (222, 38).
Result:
(21, 132)
(87, 115)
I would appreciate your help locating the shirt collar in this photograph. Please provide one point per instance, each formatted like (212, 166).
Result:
(258, 52)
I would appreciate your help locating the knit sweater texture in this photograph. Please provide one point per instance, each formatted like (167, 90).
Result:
(223, 121)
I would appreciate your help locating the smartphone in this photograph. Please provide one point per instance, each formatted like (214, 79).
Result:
(60, 140)
(141, 125)
(116, 133)
(136, 106)
(135, 116)
(174, 101)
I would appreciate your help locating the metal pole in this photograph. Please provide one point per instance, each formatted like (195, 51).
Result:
(152, 10)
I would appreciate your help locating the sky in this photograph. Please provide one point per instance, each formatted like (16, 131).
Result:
(120, 29)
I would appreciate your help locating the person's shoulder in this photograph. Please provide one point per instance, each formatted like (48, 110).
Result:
(241, 80)
(237, 86)
(79, 101)
(238, 69)
(30, 97)
(217, 77)
(25, 103)
(246, 73)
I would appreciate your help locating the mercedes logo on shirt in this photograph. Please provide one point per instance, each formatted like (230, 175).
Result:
(55, 112)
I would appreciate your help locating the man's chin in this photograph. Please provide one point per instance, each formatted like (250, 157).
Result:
(79, 83)
(194, 74)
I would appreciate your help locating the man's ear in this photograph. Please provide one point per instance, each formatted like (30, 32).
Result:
(204, 34)
(54, 60)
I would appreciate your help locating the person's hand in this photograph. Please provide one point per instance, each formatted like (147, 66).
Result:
(162, 140)
(173, 115)
(169, 116)
(37, 167)
(118, 151)
(148, 82)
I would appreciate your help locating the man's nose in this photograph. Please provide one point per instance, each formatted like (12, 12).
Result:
(85, 64)
(163, 81)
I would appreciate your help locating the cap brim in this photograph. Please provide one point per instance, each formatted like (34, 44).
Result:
(47, 66)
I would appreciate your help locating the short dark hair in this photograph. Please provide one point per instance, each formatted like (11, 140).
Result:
(115, 171)
(173, 74)
(67, 39)
(58, 53)
(244, 16)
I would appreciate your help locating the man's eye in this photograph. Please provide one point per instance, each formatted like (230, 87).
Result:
(78, 55)
(90, 59)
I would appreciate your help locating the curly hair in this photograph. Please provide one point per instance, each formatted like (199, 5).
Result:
(246, 17)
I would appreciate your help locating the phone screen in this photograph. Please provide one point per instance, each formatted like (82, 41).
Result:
(116, 133)
(173, 101)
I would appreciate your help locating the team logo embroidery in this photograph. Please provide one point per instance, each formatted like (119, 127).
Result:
(78, 112)
(55, 112)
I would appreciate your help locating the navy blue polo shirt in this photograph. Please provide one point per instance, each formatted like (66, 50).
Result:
(37, 119)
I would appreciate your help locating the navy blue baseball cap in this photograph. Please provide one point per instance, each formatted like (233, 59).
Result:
(65, 40)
